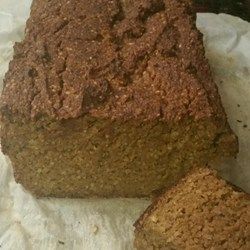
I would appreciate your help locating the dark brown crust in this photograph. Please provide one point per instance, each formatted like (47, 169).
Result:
(114, 59)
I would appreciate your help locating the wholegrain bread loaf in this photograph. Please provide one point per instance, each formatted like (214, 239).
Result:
(201, 212)
(110, 98)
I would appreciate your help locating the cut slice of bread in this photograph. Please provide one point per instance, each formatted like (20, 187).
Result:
(201, 212)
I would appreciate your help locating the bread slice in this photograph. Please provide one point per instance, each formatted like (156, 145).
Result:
(110, 98)
(201, 212)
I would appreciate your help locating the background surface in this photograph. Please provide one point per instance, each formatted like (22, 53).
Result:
(45, 224)
(240, 8)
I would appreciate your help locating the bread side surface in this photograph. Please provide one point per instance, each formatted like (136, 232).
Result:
(92, 157)
(201, 212)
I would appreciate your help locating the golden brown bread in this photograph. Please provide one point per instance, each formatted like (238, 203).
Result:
(201, 212)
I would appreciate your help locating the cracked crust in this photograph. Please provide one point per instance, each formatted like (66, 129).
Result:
(201, 212)
(112, 59)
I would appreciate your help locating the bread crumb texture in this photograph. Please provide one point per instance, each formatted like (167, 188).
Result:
(201, 212)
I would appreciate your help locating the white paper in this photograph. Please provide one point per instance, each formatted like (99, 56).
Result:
(227, 41)
(28, 223)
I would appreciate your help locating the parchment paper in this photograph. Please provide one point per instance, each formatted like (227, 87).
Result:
(28, 223)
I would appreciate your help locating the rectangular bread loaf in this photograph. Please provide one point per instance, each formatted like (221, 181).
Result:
(110, 98)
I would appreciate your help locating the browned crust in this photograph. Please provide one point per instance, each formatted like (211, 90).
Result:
(115, 59)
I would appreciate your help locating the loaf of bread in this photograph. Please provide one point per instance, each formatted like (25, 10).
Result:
(201, 212)
(110, 98)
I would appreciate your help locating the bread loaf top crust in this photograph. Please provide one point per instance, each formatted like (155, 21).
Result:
(113, 59)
